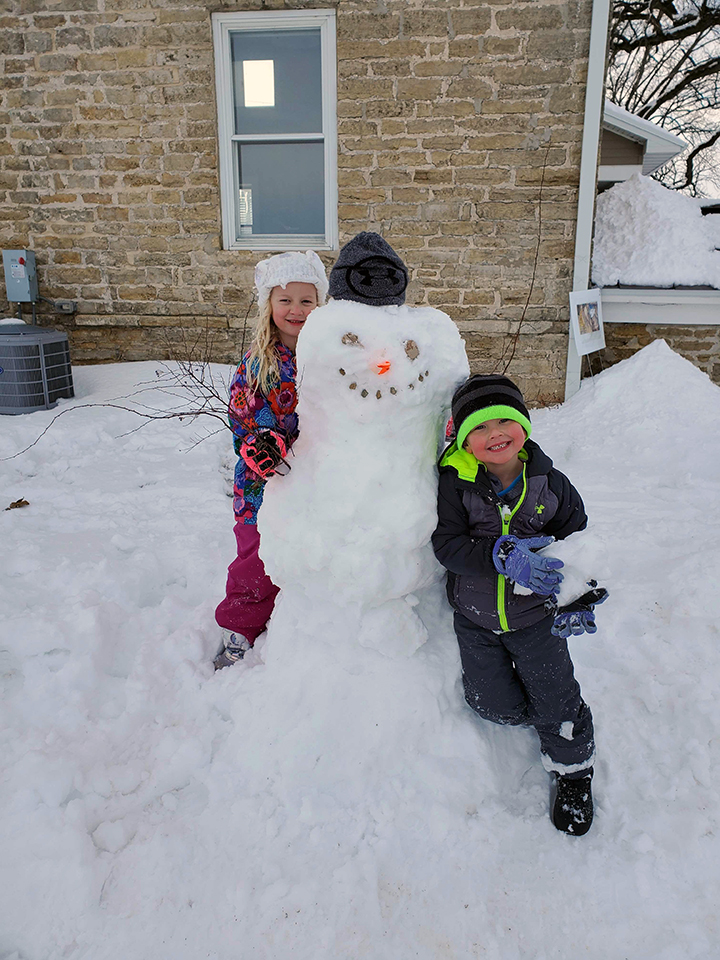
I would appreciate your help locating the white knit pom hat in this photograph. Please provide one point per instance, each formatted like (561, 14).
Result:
(285, 268)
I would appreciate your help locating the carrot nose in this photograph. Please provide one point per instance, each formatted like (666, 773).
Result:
(382, 366)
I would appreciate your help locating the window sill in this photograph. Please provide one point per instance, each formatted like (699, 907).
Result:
(281, 243)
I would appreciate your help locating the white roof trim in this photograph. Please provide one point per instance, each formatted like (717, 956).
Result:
(617, 172)
(661, 295)
(660, 146)
(661, 307)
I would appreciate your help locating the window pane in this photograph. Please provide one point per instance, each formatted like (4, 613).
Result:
(281, 188)
(280, 68)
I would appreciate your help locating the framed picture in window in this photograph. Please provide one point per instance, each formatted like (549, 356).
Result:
(586, 321)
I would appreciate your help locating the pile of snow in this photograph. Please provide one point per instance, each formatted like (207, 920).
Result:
(585, 559)
(647, 235)
(328, 799)
(712, 222)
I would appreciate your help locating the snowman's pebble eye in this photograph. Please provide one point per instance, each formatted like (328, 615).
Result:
(342, 371)
(363, 393)
(411, 349)
(393, 391)
(352, 339)
(353, 386)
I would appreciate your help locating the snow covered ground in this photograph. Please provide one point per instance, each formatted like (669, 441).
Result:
(153, 809)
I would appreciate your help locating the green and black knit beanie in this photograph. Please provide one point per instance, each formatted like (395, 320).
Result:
(483, 398)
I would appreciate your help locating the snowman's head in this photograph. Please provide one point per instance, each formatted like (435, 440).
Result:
(374, 361)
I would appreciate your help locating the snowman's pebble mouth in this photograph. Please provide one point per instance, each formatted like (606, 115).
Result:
(365, 391)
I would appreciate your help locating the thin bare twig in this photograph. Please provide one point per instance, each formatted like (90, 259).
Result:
(188, 379)
(171, 415)
(516, 336)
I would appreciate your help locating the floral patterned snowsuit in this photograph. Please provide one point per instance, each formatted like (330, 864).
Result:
(250, 593)
(251, 412)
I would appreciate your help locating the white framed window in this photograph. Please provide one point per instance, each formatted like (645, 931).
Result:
(276, 82)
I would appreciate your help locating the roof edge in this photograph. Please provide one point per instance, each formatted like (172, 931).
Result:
(660, 145)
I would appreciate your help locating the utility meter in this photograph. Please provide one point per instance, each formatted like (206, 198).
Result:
(20, 276)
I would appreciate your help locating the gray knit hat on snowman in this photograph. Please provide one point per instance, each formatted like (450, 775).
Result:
(285, 268)
(369, 271)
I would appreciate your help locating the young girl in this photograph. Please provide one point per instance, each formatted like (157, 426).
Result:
(263, 419)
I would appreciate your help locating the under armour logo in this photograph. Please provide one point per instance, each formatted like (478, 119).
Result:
(376, 278)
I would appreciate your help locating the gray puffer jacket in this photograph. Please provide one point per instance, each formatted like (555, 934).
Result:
(471, 516)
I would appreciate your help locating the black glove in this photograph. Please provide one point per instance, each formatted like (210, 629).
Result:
(579, 616)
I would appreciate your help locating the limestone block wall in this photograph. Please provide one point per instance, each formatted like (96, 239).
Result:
(451, 114)
(699, 344)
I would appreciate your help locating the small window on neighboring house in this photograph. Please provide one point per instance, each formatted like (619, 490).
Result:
(276, 94)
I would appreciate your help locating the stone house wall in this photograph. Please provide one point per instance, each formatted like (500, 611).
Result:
(699, 344)
(451, 114)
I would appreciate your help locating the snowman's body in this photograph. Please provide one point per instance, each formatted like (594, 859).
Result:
(355, 737)
(346, 533)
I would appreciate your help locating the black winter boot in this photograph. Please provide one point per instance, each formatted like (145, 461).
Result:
(572, 806)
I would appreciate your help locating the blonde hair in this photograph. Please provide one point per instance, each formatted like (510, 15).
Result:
(263, 366)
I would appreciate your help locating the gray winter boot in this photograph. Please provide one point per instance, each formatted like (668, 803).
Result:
(234, 647)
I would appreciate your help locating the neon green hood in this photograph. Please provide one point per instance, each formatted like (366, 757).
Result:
(466, 464)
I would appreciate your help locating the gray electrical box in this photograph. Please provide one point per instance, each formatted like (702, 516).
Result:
(20, 276)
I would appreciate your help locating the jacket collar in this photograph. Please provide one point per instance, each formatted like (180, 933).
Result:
(472, 471)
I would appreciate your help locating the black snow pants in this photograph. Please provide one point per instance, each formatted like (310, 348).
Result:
(526, 677)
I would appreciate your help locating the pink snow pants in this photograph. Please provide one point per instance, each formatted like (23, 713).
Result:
(250, 593)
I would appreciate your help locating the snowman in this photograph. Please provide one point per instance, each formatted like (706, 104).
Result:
(346, 533)
(355, 743)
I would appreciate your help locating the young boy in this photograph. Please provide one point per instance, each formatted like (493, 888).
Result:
(498, 493)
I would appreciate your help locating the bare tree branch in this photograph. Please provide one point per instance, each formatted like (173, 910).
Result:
(690, 159)
(638, 15)
(664, 66)
(190, 414)
(188, 379)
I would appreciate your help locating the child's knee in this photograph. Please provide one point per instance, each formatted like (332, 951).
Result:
(508, 714)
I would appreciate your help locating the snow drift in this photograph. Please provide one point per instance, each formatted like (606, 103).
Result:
(154, 809)
(648, 235)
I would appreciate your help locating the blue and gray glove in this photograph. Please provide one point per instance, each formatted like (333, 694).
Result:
(579, 616)
(517, 560)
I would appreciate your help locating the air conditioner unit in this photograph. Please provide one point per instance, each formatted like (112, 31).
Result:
(35, 369)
